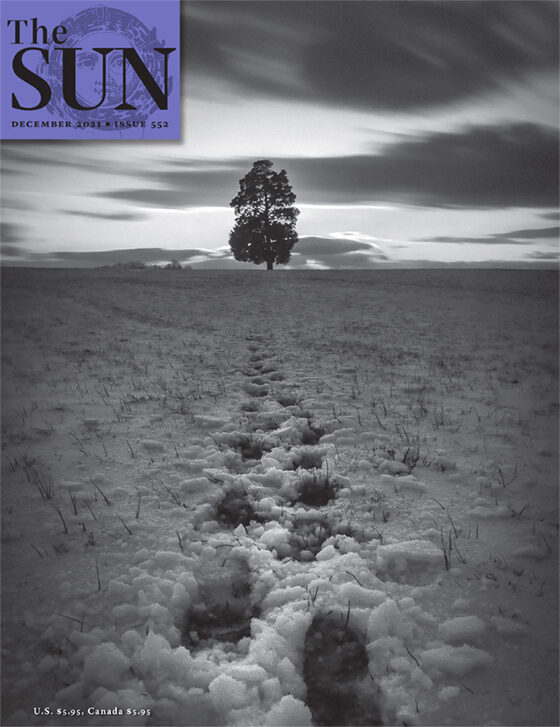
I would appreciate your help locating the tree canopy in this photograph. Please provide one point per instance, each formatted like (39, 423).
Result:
(265, 217)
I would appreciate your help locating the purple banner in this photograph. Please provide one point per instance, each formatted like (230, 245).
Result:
(77, 69)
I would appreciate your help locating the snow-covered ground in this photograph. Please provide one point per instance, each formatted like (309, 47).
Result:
(280, 498)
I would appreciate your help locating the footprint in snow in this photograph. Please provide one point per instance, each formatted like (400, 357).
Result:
(235, 509)
(340, 690)
(225, 611)
(255, 389)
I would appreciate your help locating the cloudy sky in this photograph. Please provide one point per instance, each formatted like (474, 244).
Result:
(413, 133)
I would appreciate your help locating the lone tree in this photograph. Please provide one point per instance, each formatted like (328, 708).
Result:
(265, 217)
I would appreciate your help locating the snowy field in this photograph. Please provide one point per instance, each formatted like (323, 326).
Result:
(288, 498)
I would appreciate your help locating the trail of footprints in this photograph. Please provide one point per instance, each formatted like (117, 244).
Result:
(335, 656)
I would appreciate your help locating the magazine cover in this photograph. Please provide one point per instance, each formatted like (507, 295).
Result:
(279, 362)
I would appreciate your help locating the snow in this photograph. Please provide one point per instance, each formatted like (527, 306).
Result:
(105, 665)
(158, 593)
(408, 556)
(530, 551)
(361, 597)
(446, 693)
(508, 627)
(288, 712)
(455, 660)
(394, 468)
(461, 629)
(407, 483)
(227, 693)
(384, 620)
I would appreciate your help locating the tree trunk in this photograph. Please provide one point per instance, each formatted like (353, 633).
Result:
(266, 228)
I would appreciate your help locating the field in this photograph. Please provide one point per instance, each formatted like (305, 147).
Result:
(284, 498)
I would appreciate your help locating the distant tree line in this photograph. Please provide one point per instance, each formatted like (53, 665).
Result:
(139, 265)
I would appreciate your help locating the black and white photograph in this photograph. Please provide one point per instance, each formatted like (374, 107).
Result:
(280, 399)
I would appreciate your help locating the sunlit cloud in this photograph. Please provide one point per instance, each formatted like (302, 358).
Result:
(313, 264)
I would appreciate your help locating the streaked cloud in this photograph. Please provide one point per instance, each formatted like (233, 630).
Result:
(10, 232)
(12, 251)
(157, 197)
(14, 203)
(532, 234)
(489, 240)
(515, 237)
(381, 55)
(311, 245)
(199, 259)
(310, 252)
(483, 167)
(538, 255)
(112, 216)
(23, 156)
(146, 255)
(11, 239)
(332, 251)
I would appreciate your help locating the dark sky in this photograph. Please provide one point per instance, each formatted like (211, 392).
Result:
(375, 56)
